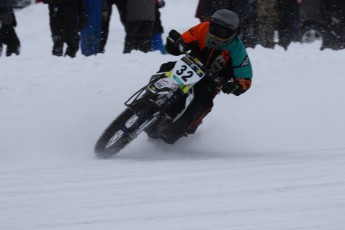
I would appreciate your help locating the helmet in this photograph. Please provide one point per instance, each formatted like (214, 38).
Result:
(223, 27)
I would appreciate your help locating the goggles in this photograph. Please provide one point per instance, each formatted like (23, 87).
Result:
(220, 31)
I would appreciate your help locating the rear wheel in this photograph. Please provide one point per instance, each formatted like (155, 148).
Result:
(118, 134)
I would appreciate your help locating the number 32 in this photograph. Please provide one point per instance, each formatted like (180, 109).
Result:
(188, 74)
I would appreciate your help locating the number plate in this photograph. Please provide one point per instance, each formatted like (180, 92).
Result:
(186, 72)
(166, 83)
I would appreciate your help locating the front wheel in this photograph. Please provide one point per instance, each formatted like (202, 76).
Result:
(118, 134)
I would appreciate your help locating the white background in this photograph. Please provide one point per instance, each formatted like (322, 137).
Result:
(272, 158)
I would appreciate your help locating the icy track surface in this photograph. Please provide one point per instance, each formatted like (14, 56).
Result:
(272, 159)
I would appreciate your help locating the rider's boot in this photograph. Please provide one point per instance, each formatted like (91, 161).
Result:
(170, 132)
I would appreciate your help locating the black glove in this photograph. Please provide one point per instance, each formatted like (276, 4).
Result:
(213, 79)
(175, 39)
(233, 87)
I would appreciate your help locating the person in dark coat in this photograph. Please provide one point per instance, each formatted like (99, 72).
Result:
(67, 18)
(267, 17)
(157, 41)
(335, 20)
(121, 7)
(140, 18)
(247, 11)
(206, 8)
(287, 22)
(8, 34)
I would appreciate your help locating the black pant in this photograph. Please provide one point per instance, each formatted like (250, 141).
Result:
(121, 6)
(138, 36)
(204, 93)
(287, 25)
(64, 27)
(9, 37)
(188, 123)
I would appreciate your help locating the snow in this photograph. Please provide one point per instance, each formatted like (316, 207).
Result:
(272, 158)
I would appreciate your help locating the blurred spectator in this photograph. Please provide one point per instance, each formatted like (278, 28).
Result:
(67, 17)
(157, 42)
(247, 11)
(335, 21)
(140, 18)
(8, 34)
(206, 8)
(121, 6)
(105, 26)
(287, 24)
(97, 13)
(267, 17)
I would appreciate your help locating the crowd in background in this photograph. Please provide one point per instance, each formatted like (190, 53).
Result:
(8, 35)
(281, 22)
(263, 22)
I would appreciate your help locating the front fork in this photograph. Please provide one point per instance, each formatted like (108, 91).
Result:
(150, 102)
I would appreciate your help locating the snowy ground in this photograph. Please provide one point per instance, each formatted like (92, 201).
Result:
(270, 159)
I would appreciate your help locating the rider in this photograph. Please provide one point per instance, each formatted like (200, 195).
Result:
(218, 46)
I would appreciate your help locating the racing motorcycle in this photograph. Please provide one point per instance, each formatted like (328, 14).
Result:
(154, 102)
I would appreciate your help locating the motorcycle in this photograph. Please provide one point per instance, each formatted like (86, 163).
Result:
(153, 103)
